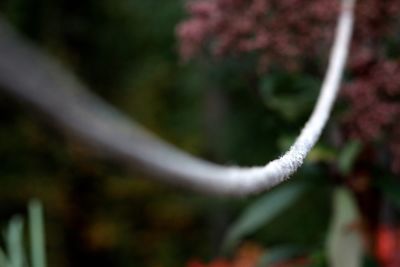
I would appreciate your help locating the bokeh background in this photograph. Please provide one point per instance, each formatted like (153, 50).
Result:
(231, 81)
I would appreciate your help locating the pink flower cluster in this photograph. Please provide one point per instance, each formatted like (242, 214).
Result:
(286, 32)
(372, 95)
(282, 30)
(374, 98)
(374, 91)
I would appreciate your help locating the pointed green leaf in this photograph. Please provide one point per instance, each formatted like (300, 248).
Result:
(348, 156)
(14, 242)
(36, 231)
(344, 245)
(262, 211)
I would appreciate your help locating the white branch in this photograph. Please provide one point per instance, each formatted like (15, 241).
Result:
(28, 73)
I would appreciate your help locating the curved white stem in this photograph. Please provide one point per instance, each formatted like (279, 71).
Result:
(28, 73)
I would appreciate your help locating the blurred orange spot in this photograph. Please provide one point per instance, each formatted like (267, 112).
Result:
(248, 255)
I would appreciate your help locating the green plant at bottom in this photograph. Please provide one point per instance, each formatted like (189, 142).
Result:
(14, 254)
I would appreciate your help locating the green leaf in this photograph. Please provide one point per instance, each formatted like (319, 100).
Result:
(344, 244)
(262, 211)
(321, 153)
(14, 242)
(36, 231)
(348, 156)
(3, 259)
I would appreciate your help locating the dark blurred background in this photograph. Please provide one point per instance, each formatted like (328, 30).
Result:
(96, 211)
